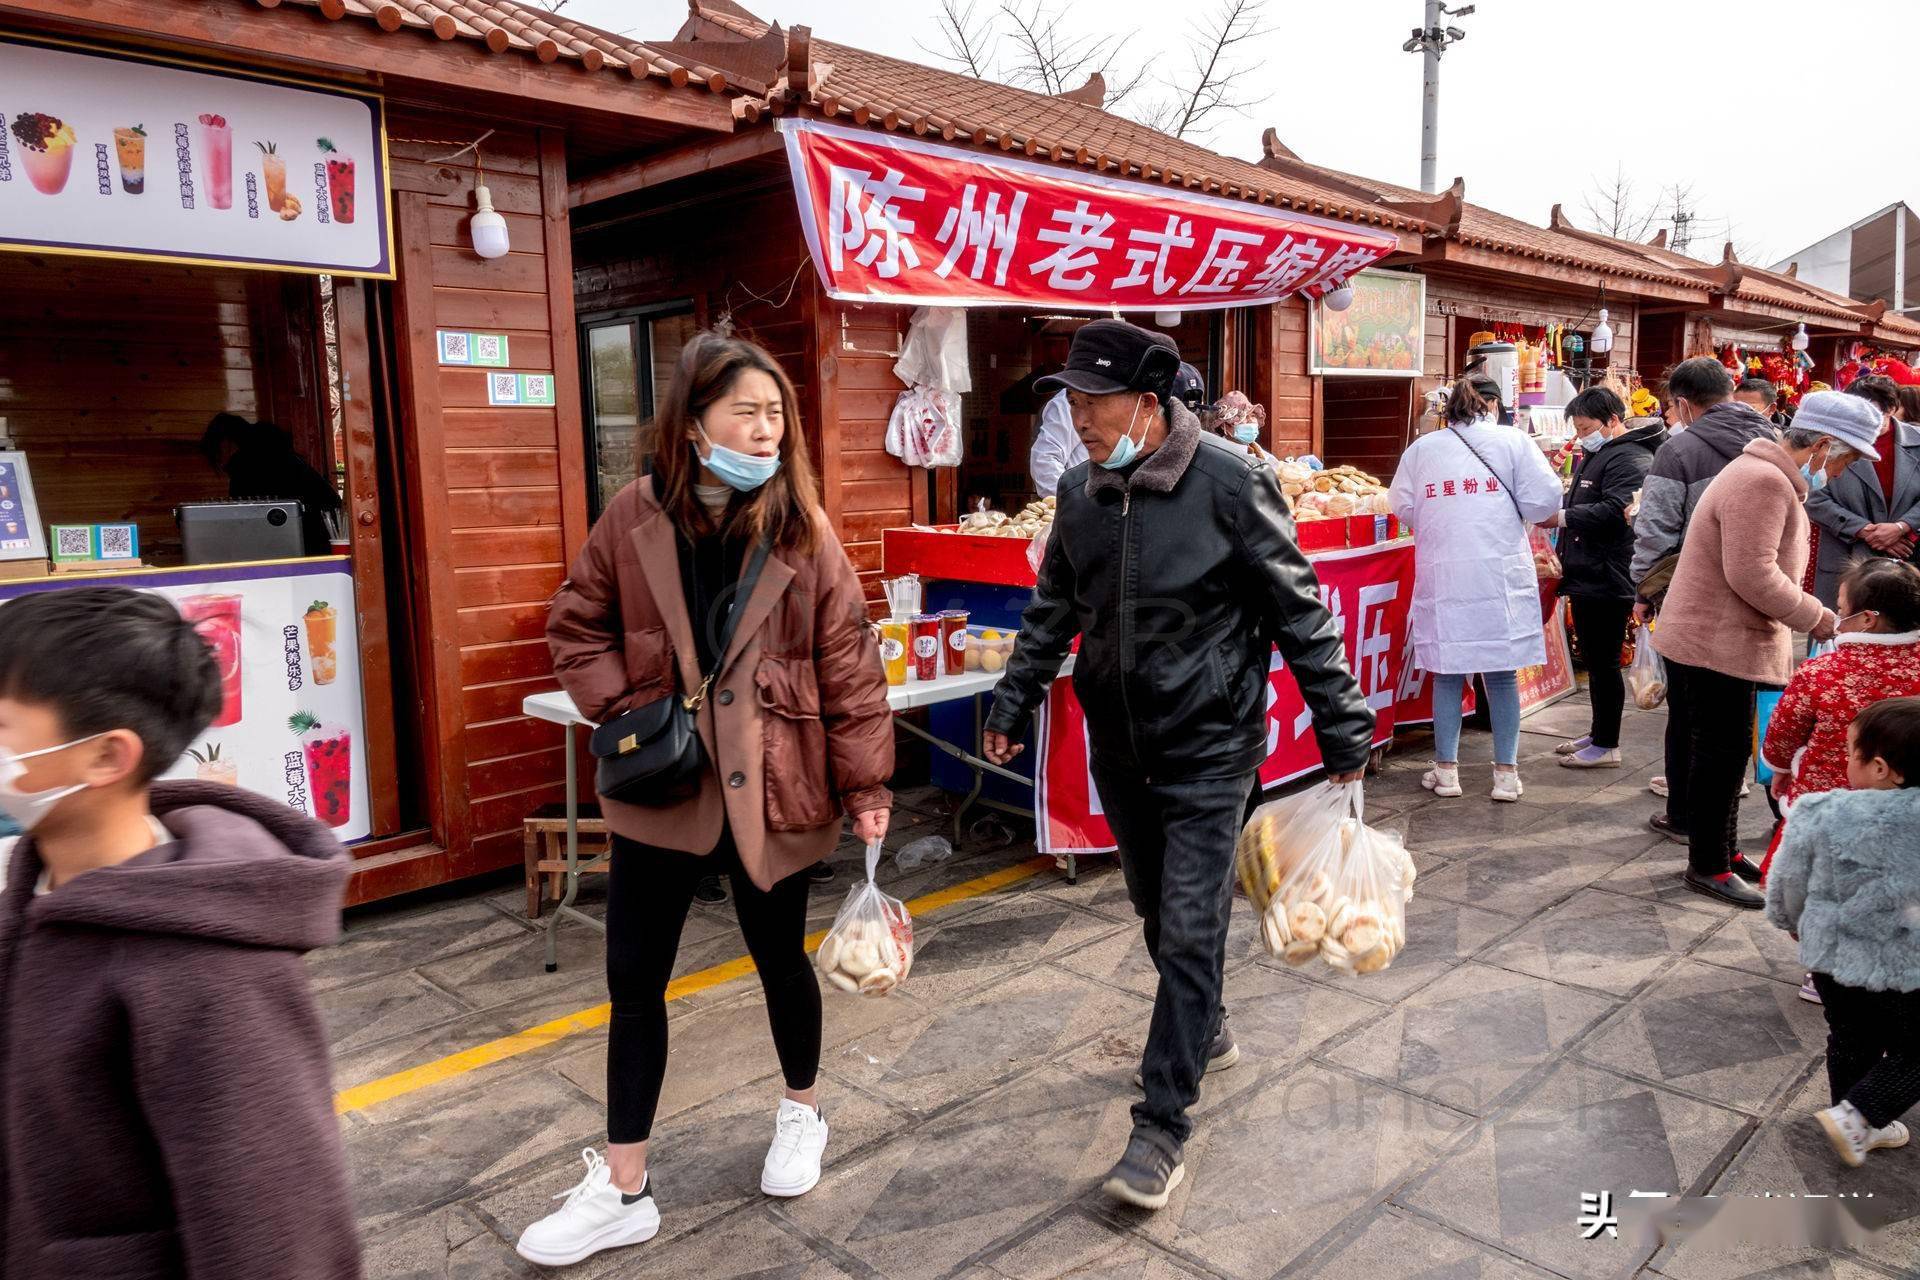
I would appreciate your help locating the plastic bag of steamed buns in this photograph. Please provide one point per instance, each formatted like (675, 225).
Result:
(1326, 884)
(870, 946)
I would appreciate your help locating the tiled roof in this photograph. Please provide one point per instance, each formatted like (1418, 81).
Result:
(870, 88)
(507, 27)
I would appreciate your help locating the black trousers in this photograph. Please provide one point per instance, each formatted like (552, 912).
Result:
(1873, 1048)
(1719, 745)
(648, 893)
(1601, 626)
(1679, 745)
(1176, 851)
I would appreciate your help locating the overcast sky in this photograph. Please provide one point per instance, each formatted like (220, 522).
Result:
(1789, 118)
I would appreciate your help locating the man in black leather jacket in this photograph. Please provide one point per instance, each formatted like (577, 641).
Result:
(1173, 560)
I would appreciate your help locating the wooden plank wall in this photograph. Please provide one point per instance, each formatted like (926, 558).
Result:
(1365, 422)
(496, 484)
(109, 371)
(1292, 402)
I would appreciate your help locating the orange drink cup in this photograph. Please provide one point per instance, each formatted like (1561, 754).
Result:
(131, 146)
(321, 619)
(273, 167)
(894, 639)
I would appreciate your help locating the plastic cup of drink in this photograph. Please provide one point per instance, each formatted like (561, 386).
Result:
(926, 647)
(131, 147)
(217, 619)
(953, 640)
(320, 635)
(216, 144)
(895, 640)
(340, 187)
(330, 776)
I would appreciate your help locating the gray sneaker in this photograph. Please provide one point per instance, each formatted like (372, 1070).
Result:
(1148, 1173)
(1224, 1053)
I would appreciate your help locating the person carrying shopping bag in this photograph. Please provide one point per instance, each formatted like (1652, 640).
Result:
(715, 630)
(1173, 561)
(1596, 551)
(1472, 491)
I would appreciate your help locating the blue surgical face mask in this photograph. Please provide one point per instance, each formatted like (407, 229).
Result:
(1592, 443)
(741, 471)
(1816, 480)
(1247, 432)
(1126, 450)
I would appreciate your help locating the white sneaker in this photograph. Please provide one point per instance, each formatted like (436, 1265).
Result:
(1658, 785)
(793, 1161)
(1442, 780)
(1848, 1131)
(1507, 786)
(595, 1216)
(1893, 1134)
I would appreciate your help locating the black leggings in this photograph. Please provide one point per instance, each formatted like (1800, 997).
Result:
(1601, 626)
(1873, 1048)
(648, 893)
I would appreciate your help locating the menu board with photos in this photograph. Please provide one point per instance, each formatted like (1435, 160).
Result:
(113, 155)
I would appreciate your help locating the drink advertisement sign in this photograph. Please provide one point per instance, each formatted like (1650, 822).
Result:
(110, 155)
(291, 723)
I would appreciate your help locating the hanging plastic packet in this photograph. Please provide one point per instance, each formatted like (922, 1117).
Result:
(1327, 884)
(1647, 674)
(869, 949)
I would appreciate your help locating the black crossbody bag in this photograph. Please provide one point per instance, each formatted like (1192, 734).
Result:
(652, 755)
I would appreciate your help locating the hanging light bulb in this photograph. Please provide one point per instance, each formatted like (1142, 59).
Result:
(1800, 338)
(1602, 335)
(1340, 297)
(488, 229)
(1166, 319)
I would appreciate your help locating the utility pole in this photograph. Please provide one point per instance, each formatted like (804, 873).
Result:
(1432, 40)
(1682, 224)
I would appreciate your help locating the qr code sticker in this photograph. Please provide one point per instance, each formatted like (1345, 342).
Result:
(453, 347)
(506, 388)
(486, 346)
(116, 541)
(537, 389)
(74, 540)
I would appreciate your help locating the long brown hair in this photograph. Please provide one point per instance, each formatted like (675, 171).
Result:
(782, 511)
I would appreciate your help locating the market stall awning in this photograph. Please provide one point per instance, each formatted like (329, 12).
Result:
(903, 220)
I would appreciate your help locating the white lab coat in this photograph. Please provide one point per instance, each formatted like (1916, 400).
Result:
(1476, 597)
(1056, 446)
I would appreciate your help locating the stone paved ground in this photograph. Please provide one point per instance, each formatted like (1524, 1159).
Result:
(1565, 1019)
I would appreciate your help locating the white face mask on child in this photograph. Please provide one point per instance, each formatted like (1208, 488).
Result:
(26, 808)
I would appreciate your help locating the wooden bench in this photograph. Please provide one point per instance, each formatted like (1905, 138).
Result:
(544, 837)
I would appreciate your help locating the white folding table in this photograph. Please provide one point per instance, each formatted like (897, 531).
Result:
(557, 708)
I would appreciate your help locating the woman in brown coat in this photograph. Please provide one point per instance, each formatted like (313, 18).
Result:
(795, 727)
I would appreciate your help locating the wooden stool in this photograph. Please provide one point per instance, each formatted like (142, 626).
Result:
(544, 844)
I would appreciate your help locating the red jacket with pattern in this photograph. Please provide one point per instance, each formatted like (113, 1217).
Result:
(1807, 736)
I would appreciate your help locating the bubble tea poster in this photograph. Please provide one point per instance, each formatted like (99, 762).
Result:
(109, 154)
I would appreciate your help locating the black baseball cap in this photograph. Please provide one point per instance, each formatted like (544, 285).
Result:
(1111, 356)
(1189, 387)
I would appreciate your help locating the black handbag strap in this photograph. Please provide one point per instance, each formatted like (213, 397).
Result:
(743, 591)
(1507, 488)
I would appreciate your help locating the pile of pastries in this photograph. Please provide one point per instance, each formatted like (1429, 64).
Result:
(867, 955)
(1353, 918)
(1034, 519)
(1333, 493)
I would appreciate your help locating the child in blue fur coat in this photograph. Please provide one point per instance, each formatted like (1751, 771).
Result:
(1846, 883)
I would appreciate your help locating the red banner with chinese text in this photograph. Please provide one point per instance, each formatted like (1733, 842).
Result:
(896, 219)
(1367, 589)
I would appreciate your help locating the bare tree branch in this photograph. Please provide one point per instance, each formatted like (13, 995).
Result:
(965, 41)
(1209, 88)
(1048, 60)
(1612, 210)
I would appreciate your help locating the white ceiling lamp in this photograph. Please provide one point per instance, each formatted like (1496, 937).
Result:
(1340, 297)
(1602, 335)
(1800, 338)
(488, 229)
(1166, 319)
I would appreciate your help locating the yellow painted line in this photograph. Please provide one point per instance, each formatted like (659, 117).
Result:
(387, 1088)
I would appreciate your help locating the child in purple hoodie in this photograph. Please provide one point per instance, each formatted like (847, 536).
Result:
(165, 1105)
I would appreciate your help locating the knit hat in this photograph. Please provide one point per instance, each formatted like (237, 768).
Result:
(1852, 421)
